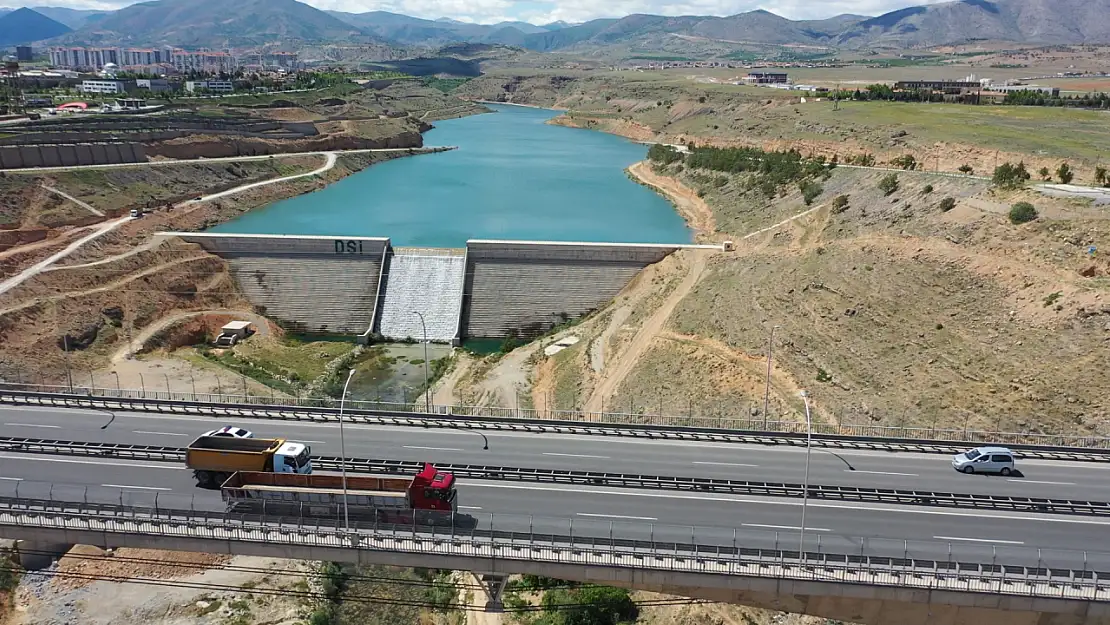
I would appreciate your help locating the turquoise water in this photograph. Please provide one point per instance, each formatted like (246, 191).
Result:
(513, 177)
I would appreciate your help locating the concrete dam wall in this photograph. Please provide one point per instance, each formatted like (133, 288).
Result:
(490, 289)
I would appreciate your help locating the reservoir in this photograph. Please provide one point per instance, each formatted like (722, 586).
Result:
(513, 177)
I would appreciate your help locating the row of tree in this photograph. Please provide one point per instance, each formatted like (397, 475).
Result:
(1038, 98)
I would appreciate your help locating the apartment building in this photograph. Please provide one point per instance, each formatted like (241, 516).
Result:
(135, 58)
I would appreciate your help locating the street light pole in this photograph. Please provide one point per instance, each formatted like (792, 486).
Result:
(427, 387)
(118, 391)
(767, 386)
(343, 450)
(805, 483)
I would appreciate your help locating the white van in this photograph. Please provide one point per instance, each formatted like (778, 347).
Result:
(985, 460)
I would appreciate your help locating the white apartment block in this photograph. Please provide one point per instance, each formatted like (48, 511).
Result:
(182, 60)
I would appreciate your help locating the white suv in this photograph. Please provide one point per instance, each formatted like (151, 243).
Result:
(230, 431)
(985, 460)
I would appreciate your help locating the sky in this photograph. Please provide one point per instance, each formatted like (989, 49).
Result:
(546, 11)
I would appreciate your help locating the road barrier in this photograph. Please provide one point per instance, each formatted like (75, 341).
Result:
(113, 523)
(1093, 449)
(597, 478)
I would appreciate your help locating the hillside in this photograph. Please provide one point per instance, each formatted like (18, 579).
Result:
(25, 26)
(408, 30)
(217, 24)
(1027, 21)
(74, 18)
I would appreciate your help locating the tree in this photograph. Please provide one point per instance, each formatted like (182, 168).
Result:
(966, 169)
(947, 204)
(1010, 176)
(889, 184)
(1100, 175)
(840, 204)
(907, 162)
(1022, 212)
(1044, 174)
(1064, 173)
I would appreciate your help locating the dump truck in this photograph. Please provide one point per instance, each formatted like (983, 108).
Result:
(427, 498)
(214, 459)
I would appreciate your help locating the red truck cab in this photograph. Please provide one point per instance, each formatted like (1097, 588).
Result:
(432, 490)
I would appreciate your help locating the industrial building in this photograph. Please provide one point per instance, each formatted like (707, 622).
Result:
(765, 78)
(104, 86)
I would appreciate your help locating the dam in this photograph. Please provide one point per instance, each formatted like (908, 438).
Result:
(367, 287)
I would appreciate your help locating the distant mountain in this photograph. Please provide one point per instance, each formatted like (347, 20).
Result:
(74, 18)
(25, 26)
(1027, 21)
(216, 23)
(407, 30)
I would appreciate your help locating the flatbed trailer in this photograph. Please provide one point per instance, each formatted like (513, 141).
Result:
(427, 498)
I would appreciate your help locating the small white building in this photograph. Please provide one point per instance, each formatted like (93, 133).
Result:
(103, 86)
(217, 86)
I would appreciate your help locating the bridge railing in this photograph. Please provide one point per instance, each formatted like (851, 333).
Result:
(279, 407)
(579, 547)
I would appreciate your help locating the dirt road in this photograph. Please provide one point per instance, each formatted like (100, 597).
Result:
(611, 380)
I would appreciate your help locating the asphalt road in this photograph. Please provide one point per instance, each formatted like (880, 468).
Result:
(930, 472)
(973, 535)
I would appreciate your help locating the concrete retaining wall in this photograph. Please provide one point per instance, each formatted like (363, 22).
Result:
(308, 284)
(67, 155)
(524, 288)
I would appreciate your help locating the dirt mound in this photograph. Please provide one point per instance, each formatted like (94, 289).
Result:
(83, 563)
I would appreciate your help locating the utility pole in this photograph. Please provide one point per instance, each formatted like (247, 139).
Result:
(836, 98)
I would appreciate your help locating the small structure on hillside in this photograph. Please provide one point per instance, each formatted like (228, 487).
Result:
(233, 332)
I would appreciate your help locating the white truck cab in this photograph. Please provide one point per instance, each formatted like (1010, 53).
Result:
(293, 458)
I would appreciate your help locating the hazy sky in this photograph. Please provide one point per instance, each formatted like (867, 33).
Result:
(544, 11)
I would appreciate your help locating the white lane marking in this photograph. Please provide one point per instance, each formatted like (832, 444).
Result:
(619, 516)
(135, 487)
(111, 462)
(551, 453)
(881, 473)
(301, 440)
(12, 479)
(1038, 482)
(34, 425)
(158, 433)
(772, 502)
(785, 527)
(470, 507)
(726, 464)
(430, 448)
(980, 540)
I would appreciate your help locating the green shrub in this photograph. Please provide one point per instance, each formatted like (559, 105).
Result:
(927, 189)
(889, 184)
(1022, 212)
(1010, 176)
(810, 190)
(664, 154)
(967, 169)
(840, 204)
(1064, 173)
(947, 204)
(907, 162)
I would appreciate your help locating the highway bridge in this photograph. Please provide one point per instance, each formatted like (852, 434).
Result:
(1058, 541)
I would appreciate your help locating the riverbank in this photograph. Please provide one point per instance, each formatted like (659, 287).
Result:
(697, 214)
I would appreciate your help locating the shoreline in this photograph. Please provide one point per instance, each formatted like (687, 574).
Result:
(697, 214)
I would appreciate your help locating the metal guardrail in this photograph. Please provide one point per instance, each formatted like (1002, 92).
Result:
(490, 546)
(599, 478)
(1098, 451)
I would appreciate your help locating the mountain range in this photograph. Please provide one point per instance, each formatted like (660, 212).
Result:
(24, 26)
(220, 23)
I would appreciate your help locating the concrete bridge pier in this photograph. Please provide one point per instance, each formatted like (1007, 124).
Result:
(35, 555)
(494, 585)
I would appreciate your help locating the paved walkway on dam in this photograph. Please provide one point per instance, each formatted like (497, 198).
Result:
(38, 268)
